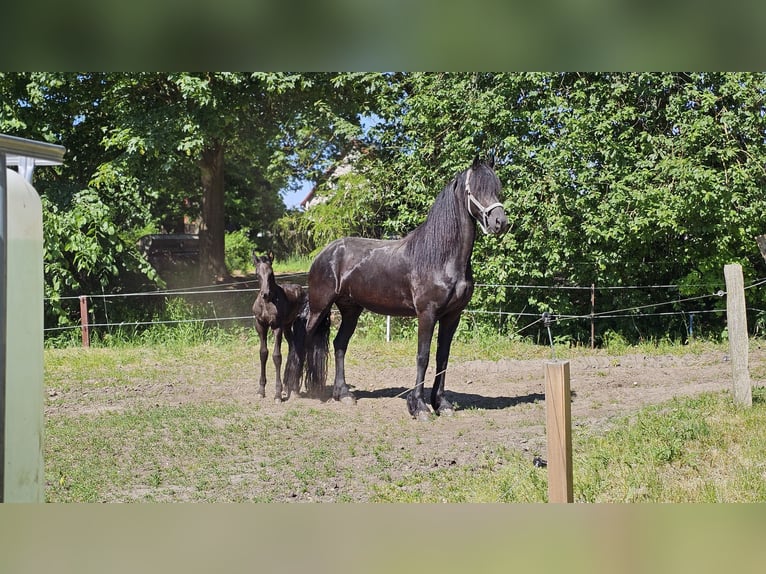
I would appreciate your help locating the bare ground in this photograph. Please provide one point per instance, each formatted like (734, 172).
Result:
(499, 404)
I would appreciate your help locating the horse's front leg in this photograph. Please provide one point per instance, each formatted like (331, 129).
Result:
(277, 358)
(415, 403)
(447, 327)
(262, 329)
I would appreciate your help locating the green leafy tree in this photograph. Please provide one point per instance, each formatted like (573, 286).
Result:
(611, 179)
(273, 126)
(88, 244)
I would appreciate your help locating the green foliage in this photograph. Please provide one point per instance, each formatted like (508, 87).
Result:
(292, 265)
(140, 143)
(293, 235)
(85, 253)
(239, 250)
(349, 208)
(610, 179)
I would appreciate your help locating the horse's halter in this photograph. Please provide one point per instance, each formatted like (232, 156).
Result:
(484, 211)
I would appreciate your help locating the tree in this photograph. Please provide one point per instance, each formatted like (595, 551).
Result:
(611, 179)
(175, 124)
(283, 122)
(145, 150)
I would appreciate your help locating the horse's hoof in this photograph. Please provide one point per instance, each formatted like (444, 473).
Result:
(278, 401)
(448, 412)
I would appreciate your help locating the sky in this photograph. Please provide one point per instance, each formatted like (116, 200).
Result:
(293, 199)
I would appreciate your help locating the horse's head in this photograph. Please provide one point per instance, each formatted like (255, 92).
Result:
(482, 191)
(265, 273)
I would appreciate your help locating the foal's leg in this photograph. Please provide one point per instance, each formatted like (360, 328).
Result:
(349, 319)
(264, 353)
(447, 327)
(415, 402)
(277, 358)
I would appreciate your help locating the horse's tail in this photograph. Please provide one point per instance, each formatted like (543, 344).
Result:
(317, 350)
(296, 357)
(308, 357)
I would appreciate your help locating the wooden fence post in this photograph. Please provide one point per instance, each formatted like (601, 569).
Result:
(559, 431)
(736, 324)
(84, 321)
(592, 315)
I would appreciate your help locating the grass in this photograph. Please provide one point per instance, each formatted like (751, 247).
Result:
(209, 452)
(702, 449)
(114, 443)
(502, 476)
(293, 264)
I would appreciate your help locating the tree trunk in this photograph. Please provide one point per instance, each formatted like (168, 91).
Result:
(212, 265)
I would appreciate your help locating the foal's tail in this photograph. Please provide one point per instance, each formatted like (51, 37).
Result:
(308, 358)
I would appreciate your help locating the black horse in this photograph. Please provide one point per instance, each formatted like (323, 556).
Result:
(276, 308)
(426, 274)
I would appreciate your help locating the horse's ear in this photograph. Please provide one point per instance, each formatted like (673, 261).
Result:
(271, 256)
(491, 160)
(476, 162)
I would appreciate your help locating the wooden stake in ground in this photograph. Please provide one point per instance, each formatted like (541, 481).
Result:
(736, 322)
(559, 429)
(84, 321)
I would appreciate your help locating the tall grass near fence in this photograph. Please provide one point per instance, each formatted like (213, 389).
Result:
(702, 449)
(176, 320)
(639, 314)
(650, 314)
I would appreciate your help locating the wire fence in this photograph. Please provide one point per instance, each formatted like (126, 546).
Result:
(239, 296)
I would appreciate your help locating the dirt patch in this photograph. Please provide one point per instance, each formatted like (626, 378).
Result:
(511, 393)
(499, 405)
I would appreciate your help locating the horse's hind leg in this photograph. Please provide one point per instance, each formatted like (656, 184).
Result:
(296, 353)
(349, 319)
(264, 355)
(277, 358)
(289, 385)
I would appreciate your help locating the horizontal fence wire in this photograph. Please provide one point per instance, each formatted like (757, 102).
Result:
(596, 287)
(236, 288)
(157, 322)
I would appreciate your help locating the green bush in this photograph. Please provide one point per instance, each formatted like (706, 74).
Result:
(239, 250)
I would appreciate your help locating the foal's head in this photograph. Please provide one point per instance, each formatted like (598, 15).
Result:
(265, 274)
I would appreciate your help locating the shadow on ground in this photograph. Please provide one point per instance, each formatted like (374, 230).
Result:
(463, 400)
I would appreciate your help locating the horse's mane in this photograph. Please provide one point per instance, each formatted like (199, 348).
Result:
(432, 243)
(436, 240)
